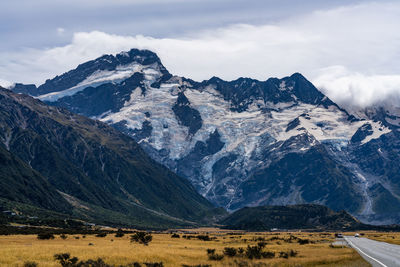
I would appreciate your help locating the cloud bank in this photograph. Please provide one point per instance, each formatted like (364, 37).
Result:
(351, 53)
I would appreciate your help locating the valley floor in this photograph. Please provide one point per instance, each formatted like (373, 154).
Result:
(15, 250)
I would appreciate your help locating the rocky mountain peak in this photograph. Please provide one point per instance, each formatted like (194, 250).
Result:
(107, 68)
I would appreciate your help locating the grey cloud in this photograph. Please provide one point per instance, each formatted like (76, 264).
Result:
(27, 23)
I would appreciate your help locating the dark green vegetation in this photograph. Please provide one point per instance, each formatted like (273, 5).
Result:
(142, 238)
(56, 164)
(307, 216)
(66, 260)
(251, 252)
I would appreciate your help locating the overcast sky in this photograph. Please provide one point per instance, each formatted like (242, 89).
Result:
(349, 49)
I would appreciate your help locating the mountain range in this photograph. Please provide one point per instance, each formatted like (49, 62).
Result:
(239, 143)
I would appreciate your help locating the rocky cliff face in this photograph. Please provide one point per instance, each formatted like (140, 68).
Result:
(243, 142)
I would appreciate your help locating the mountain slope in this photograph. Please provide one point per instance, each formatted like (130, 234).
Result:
(306, 216)
(244, 142)
(18, 182)
(91, 163)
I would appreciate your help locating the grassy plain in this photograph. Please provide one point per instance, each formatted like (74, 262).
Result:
(15, 250)
(388, 237)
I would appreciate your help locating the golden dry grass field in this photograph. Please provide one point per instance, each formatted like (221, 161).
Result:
(15, 250)
(389, 237)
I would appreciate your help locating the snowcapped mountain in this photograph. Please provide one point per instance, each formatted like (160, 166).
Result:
(244, 142)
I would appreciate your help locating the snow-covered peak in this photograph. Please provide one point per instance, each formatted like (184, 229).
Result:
(99, 77)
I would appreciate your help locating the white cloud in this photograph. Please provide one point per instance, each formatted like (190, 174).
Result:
(357, 89)
(363, 40)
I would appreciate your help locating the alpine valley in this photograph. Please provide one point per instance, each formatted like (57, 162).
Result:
(240, 143)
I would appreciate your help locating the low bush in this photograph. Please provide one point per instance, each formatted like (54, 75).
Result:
(230, 252)
(287, 254)
(175, 236)
(142, 238)
(101, 234)
(119, 234)
(293, 253)
(154, 264)
(63, 236)
(45, 236)
(30, 264)
(65, 260)
(284, 254)
(303, 241)
(268, 254)
(204, 237)
(262, 244)
(256, 252)
(210, 251)
(253, 252)
(213, 256)
(197, 265)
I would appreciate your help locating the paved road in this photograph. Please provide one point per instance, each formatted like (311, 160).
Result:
(379, 254)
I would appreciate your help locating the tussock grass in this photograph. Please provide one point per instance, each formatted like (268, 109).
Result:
(15, 250)
(388, 237)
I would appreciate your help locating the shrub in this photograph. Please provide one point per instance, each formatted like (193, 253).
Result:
(303, 241)
(268, 254)
(292, 253)
(253, 252)
(30, 264)
(261, 244)
(215, 257)
(142, 238)
(119, 234)
(101, 235)
(44, 236)
(210, 251)
(230, 252)
(204, 237)
(63, 236)
(93, 263)
(240, 250)
(65, 259)
(284, 255)
(175, 236)
(76, 237)
(154, 264)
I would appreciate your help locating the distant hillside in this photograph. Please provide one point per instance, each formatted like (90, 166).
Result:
(19, 182)
(307, 216)
(53, 159)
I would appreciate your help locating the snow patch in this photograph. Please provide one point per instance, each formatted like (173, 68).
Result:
(96, 79)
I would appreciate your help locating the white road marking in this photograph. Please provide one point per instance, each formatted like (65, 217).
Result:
(359, 250)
